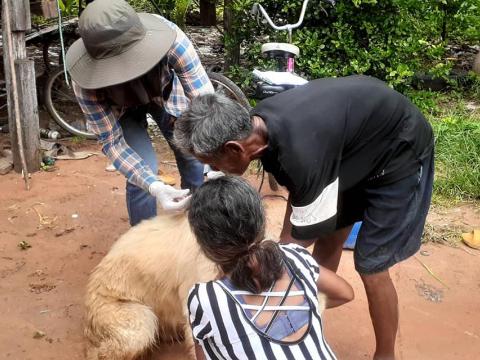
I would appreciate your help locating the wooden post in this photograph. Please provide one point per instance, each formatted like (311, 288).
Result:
(21, 88)
(27, 92)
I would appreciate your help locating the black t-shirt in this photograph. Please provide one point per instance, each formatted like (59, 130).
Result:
(334, 134)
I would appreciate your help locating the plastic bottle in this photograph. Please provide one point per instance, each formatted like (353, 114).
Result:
(49, 134)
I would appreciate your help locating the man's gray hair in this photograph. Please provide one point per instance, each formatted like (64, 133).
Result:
(210, 121)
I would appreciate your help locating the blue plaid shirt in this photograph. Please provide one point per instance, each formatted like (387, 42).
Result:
(189, 80)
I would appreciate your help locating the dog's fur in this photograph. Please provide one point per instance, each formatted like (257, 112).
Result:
(137, 294)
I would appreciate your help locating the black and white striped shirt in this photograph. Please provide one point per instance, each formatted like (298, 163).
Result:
(224, 331)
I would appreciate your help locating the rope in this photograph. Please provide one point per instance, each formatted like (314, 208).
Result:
(261, 185)
(62, 44)
(263, 179)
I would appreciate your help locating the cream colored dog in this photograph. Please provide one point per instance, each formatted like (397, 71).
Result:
(137, 294)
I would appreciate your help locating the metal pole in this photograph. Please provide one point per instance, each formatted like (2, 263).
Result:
(60, 31)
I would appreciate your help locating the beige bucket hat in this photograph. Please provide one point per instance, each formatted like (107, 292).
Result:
(116, 45)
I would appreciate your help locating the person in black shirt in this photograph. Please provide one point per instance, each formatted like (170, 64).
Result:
(347, 149)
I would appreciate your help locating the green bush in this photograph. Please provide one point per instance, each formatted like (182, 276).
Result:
(166, 7)
(68, 7)
(462, 20)
(174, 10)
(389, 39)
(392, 40)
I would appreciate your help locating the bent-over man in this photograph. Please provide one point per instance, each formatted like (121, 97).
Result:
(347, 149)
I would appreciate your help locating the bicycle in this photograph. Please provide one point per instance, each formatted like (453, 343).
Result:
(283, 53)
(62, 104)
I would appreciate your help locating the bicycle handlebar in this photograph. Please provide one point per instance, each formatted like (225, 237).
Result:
(259, 8)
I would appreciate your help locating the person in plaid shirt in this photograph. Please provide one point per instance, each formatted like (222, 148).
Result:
(127, 65)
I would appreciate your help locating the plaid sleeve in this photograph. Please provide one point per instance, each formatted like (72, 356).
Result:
(103, 122)
(187, 66)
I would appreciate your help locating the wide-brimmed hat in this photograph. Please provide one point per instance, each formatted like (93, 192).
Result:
(117, 44)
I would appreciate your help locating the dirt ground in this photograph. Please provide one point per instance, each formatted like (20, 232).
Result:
(72, 215)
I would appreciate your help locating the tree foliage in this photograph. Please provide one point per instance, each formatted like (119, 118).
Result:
(389, 39)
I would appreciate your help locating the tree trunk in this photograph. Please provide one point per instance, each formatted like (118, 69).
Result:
(232, 45)
(444, 22)
(208, 15)
(476, 64)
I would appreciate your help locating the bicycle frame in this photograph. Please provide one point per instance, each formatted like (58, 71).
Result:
(289, 27)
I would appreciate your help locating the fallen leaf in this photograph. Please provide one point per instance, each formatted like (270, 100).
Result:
(41, 288)
(64, 231)
(23, 245)
(38, 334)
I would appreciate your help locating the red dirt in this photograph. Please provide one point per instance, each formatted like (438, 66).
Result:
(42, 287)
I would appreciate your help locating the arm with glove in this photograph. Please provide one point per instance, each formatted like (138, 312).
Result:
(103, 122)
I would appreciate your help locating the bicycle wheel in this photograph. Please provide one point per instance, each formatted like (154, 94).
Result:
(62, 105)
(227, 87)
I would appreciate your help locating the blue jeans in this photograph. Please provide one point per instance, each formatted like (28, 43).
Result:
(140, 204)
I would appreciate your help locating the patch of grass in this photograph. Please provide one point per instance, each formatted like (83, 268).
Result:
(38, 20)
(442, 234)
(457, 144)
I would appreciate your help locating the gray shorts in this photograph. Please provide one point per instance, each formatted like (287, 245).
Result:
(393, 217)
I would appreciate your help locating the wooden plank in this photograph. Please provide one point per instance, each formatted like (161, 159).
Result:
(20, 15)
(18, 52)
(27, 92)
(14, 49)
(68, 25)
(8, 82)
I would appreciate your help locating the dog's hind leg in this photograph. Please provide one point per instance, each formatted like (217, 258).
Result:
(120, 331)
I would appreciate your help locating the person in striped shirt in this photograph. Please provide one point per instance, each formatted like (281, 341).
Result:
(264, 304)
(127, 65)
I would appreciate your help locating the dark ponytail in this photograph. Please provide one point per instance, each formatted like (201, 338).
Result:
(257, 270)
(227, 217)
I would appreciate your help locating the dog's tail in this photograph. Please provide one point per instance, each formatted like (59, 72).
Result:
(119, 330)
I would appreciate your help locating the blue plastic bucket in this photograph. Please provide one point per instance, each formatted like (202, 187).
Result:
(352, 237)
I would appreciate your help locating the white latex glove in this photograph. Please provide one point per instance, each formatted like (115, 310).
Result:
(211, 175)
(169, 198)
